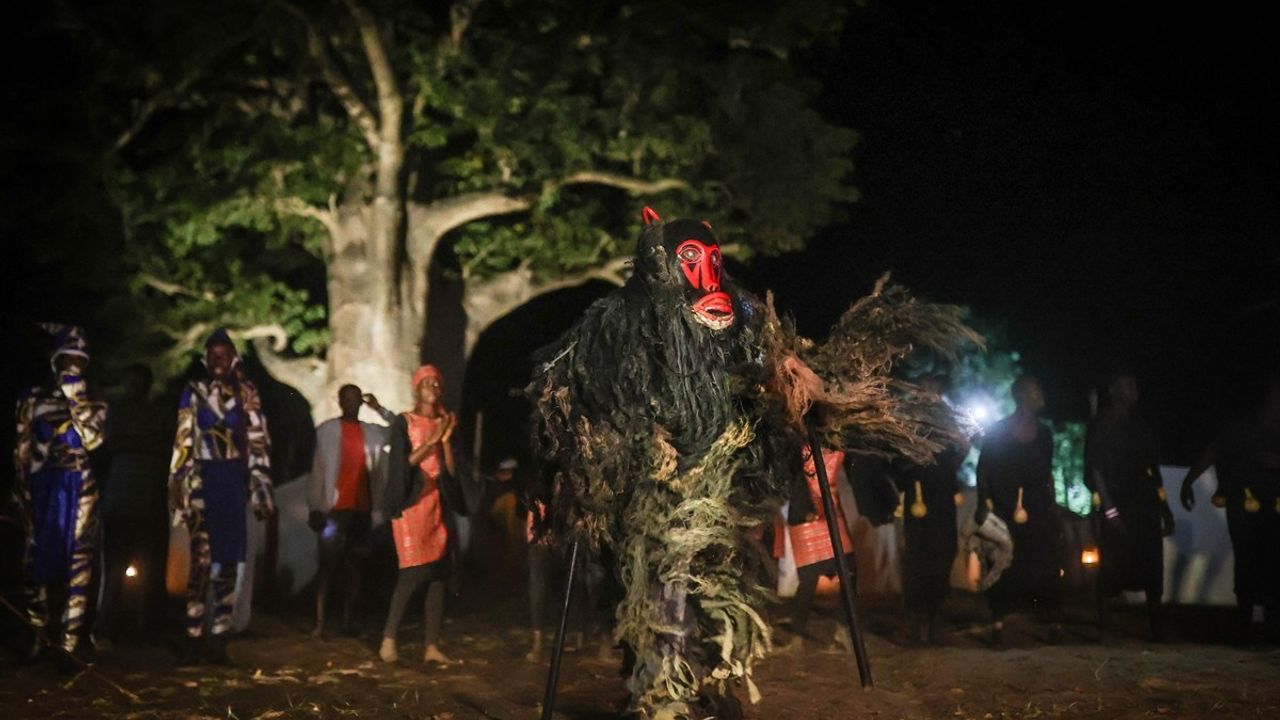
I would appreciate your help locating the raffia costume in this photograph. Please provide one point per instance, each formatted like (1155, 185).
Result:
(672, 421)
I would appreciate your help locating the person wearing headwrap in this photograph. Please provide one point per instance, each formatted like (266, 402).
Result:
(421, 487)
(220, 461)
(806, 527)
(58, 427)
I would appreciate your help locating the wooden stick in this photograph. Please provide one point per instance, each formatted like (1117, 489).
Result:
(553, 675)
(846, 592)
(87, 667)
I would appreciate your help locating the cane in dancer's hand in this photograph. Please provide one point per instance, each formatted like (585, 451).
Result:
(553, 674)
(846, 580)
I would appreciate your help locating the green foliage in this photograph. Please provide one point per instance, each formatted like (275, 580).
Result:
(1068, 467)
(247, 132)
(626, 90)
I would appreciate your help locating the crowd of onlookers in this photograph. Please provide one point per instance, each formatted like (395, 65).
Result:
(399, 478)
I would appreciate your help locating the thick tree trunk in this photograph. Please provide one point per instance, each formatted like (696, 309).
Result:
(374, 334)
(377, 290)
(375, 325)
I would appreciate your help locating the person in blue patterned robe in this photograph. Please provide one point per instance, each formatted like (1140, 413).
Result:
(220, 462)
(57, 493)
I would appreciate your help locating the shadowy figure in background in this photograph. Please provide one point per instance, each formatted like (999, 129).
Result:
(1122, 468)
(811, 541)
(929, 530)
(133, 509)
(548, 564)
(341, 493)
(221, 461)
(1246, 456)
(506, 529)
(1015, 481)
(421, 487)
(57, 492)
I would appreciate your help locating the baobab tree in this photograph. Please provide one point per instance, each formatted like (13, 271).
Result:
(292, 170)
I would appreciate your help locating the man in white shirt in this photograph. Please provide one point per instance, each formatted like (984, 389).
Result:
(341, 494)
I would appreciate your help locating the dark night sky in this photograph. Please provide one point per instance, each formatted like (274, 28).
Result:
(1102, 182)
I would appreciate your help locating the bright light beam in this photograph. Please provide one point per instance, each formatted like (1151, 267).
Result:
(979, 412)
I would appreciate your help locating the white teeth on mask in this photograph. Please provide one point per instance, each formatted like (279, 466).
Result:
(715, 323)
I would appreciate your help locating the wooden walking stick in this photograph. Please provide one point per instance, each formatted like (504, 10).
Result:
(86, 667)
(553, 674)
(846, 591)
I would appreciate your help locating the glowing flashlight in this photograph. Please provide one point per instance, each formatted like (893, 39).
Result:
(131, 571)
(1089, 557)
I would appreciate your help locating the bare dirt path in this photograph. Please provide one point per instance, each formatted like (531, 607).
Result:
(282, 674)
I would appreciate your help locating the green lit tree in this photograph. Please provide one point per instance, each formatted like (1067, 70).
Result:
(261, 151)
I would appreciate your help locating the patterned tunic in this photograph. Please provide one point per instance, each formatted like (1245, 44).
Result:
(57, 494)
(420, 533)
(220, 456)
(220, 420)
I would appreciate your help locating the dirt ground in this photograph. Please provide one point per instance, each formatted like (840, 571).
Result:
(280, 673)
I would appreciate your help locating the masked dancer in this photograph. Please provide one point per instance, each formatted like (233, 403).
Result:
(672, 416)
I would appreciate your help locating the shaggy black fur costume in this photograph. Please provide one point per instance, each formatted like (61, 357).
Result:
(670, 442)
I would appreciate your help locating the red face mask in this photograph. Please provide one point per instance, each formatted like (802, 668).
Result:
(702, 266)
(691, 246)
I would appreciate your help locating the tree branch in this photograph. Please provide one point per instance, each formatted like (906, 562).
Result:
(336, 79)
(432, 221)
(633, 185)
(487, 301)
(453, 212)
(188, 339)
(165, 98)
(171, 288)
(268, 331)
(390, 102)
(301, 208)
(460, 14)
(306, 374)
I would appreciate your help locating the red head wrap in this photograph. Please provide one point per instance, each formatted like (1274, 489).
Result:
(424, 372)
